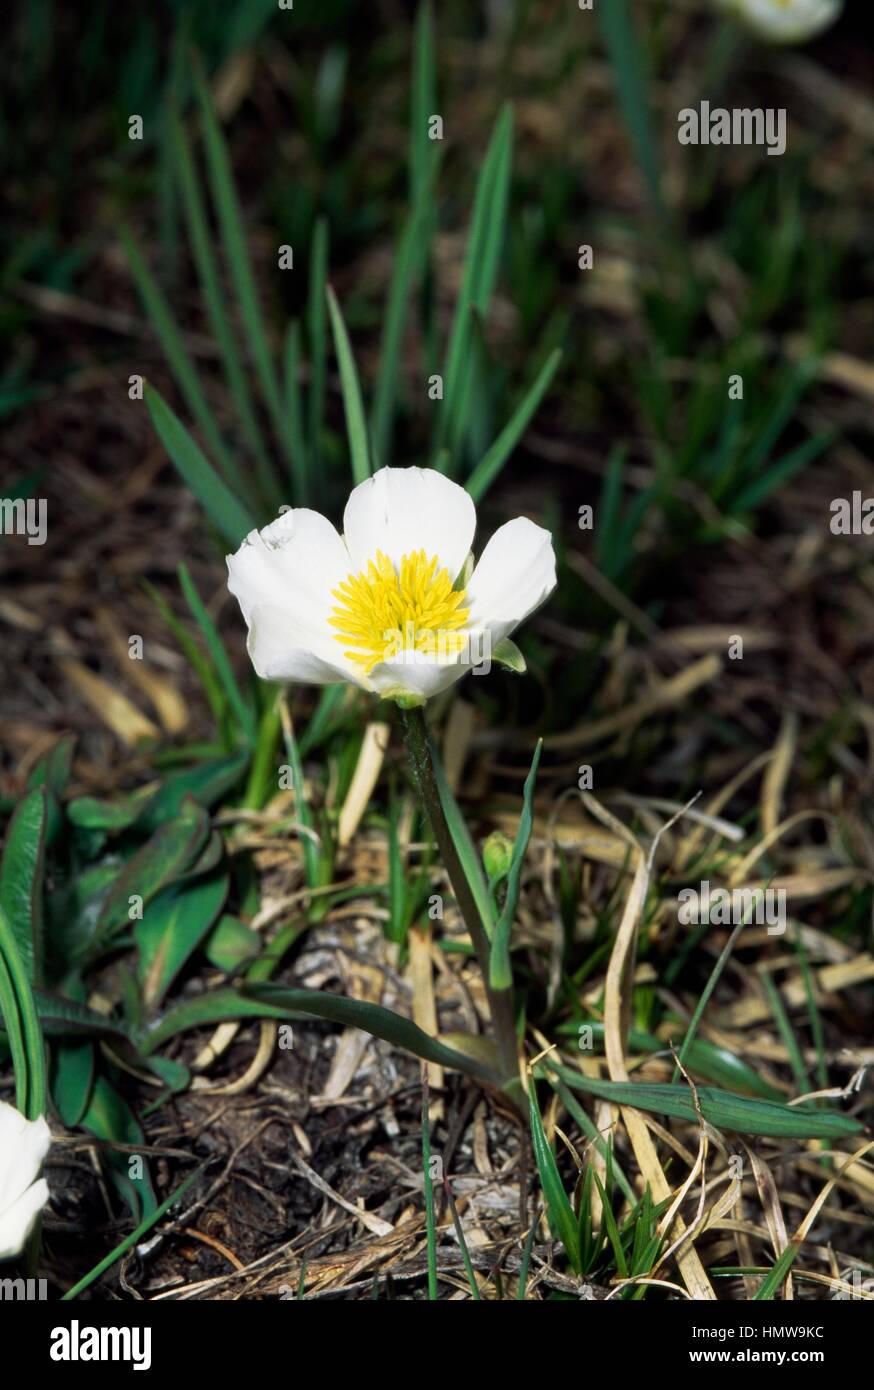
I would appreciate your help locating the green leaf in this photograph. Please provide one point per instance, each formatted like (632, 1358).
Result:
(317, 339)
(195, 655)
(356, 424)
(109, 1117)
(480, 272)
(233, 237)
(302, 812)
(93, 813)
(181, 365)
(398, 919)
(785, 468)
(493, 461)
(231, 945)
(423, 105)
(163, 858)
(175, 1075)
(562, 1222)
(470, 860)
(204, 258)
(216, 648)
(630, 76)
(220, 504)
(21, 874)
(52, 771)
(71, 1078)
(207, 783)
(10, 1014)
(173, 926)
(135, 1236)
(722, 1109)
(772, 1281)
(408, 261)
(68, 1018)
(507, 654)
(703, 1057)
(277, 1001)
(500, 969)
(294, 414)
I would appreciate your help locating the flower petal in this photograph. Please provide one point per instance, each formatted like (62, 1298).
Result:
(282, 578)
(283, 650)
(292, 565)
(399, 510)
(416, 674)
(515, 575)
(23, 1146)
(17, 1221)
(784, 21)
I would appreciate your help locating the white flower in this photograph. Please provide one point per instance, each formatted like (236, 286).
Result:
(389, 605)
(784, 21)
(23, 1147)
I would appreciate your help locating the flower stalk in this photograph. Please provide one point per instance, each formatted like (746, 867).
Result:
(500, 1000)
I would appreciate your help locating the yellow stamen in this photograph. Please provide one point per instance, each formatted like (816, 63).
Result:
(383, 613)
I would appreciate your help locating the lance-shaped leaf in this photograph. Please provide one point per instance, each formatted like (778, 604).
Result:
(278, 1001)
(21, 871)
(500, 970)
(164, 857)
(464, 846)
(563, 1223)
(722, 1109)
(110, 1117)
(67, 1018)
(173, 926)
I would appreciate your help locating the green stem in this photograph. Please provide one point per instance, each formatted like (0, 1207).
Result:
(500, 1000)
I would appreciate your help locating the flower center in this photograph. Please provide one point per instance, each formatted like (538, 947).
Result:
(383, 613)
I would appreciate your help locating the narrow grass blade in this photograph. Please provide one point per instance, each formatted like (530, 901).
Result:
(302, 811)
(317, 340)
(777, 1275)
(610, 1226)
(233, 236)
(462, 1242)
(722, 1109)
(423, 104)
(776, 421)
(208, 678)
(813, 1012)
(430, 1216)
(787, 1033)
(591, 1131)
(407, 266)
(215, 646)
(470, 860)
(705, 996)
(630, 76)
(294, 415)
(356, 425)
(135, 1236)
(221, 505)
(525, 1264)
(480, 271)
(562, 1221)
(180, 363)
(500, 969)
(493, 461)
(204, 259)
(277, 1001)
(785, 468)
